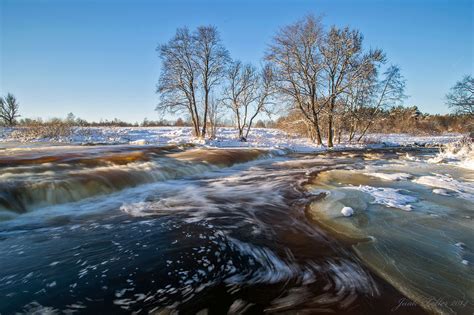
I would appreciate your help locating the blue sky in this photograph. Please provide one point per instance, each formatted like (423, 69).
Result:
(97, 58)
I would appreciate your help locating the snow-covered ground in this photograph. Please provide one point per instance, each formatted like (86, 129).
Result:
(226, 137)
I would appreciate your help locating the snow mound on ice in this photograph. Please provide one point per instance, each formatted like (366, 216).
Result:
(390, 176)
(389, 197)
(347, 211)
(440, 191)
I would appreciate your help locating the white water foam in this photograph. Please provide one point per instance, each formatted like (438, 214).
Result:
(460, 153)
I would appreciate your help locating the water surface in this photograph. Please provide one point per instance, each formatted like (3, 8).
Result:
(111, 229)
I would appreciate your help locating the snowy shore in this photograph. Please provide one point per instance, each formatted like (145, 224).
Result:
(226, 137)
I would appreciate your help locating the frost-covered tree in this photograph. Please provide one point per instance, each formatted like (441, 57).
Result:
(9, 109)
(461, 97)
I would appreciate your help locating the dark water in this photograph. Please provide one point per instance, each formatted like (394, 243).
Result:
(177, 230)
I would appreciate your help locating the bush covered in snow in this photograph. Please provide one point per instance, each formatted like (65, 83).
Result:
(53, 129)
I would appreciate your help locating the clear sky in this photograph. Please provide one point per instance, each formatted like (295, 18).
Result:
(97, 58)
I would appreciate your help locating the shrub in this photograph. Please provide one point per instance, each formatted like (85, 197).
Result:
(54, 129)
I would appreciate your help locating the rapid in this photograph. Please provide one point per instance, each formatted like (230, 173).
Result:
(181, 229)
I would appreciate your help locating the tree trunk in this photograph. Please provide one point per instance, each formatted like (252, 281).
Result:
(330, 122)
(195, 125)
(195, 113)
(241, 133)
(206, 100)
(330, 131)
(318, 131)
(352, 133)
(363, 132)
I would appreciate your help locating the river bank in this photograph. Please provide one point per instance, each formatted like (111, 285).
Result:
(225, 137)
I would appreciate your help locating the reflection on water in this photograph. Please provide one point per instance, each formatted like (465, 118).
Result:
(147, 229)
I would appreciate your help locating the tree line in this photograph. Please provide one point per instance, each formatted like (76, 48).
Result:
(325, 75)
(397, 119)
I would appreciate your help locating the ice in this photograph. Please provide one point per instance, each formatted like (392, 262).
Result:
(391, 176)
(462, 189)
(389, 197)
(440, 191)
(139, 142)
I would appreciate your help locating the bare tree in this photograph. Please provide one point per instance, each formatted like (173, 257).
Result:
(461, 97)
(368, 96)
(177, 85)
(357, 98)
(247, 94)
(211, 58)
(344, 62)
(240, 92)
(295, 55)
(264, 93)
(390, 91)
(9, 109)
(214, 116)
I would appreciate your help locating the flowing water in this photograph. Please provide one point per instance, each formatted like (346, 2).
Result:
(121, 229)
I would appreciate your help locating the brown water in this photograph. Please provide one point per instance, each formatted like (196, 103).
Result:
(113, 229)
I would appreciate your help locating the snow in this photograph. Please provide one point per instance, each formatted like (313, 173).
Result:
(389, 197)
(139, 142)
(459, 153)
(347, 211)
(226, 137)
(390, 176)
(440, 191)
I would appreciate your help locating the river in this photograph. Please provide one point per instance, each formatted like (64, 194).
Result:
(145, 229)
